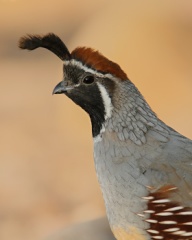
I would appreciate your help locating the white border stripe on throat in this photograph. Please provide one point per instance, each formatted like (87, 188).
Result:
(106, 100)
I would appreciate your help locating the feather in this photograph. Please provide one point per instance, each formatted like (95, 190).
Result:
(49, 41)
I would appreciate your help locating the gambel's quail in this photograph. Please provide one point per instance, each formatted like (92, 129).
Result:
(144, 167)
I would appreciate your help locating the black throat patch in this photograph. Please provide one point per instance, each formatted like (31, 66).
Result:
(89, 98)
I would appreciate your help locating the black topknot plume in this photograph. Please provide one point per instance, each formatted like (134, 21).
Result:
(49, 41)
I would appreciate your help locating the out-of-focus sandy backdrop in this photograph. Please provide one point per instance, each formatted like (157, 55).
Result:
(47, 178)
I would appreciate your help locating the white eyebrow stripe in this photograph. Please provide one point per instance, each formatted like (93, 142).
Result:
(87, 69)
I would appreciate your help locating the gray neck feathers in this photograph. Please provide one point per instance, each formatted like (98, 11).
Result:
(132, 117)
(118, 153)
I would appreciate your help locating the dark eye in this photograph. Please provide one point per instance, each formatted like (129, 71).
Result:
(89, 79)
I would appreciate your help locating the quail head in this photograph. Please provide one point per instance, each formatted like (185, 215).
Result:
(144, 167)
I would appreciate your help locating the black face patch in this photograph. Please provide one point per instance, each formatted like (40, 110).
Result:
(72, 73)
(89, 98)
(88, 95)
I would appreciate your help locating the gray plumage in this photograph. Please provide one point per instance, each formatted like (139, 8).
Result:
(144, 167)
(138, 150)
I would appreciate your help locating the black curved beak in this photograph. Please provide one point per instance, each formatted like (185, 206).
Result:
(59, 88)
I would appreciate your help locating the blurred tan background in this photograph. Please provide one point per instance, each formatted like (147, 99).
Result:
(47, 177)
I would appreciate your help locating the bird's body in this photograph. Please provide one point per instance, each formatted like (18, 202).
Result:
(137, 150)
(144, 167)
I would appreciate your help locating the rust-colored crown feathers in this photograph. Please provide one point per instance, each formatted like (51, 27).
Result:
(87, 56)
(98, 62)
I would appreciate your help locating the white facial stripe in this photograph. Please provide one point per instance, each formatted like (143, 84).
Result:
(108, 110)
(105, 96)
(87, 69)
(72, 87)
(106, 100)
